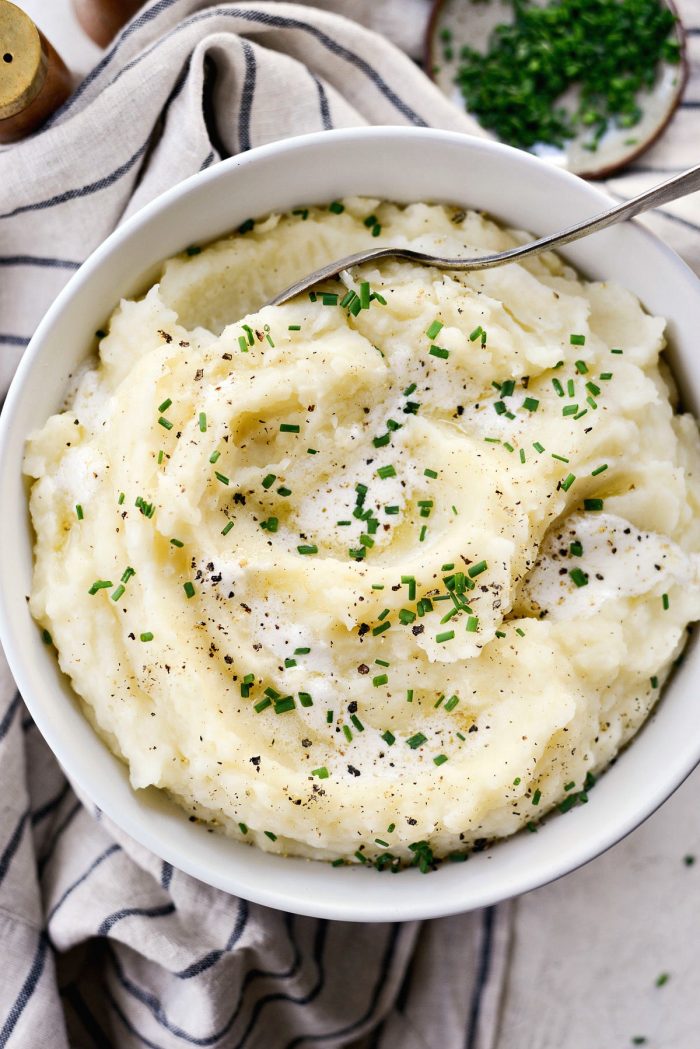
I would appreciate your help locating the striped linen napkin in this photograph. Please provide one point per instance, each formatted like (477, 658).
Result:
(104, 944)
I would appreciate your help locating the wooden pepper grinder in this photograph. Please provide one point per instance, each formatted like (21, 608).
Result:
(102, 19)
(33, 78)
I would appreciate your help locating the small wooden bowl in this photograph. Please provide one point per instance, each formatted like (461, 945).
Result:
(473, 23)
(102, 19)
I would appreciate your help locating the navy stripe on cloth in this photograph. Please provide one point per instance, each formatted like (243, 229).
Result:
(246, 97)
(70, 816)
(482, 975)
(12, 846)
(9, 715)
(83, 877)
(158, 1012)
(38, 260)
(384, 967)
(127, 912)
(166, 875)
(83, 191)
(210, 959)
(28, 988)
(14, 340)
(323, 104)
(50, 806)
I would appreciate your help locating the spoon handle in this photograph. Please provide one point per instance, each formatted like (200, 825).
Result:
(678, 186)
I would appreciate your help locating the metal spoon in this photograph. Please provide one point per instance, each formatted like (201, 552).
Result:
(678, 186)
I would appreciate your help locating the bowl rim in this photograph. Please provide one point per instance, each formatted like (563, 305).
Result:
(361, 907)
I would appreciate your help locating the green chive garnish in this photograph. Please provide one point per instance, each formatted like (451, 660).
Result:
(188, 588)
(289, 428)
(305, 699)
(440, 759)
(577, 340)
(309, 549)
(389, 738)
(146, 636)
(386, 471)
(322, 773)
(578, 576)
(165, 405)
(446, 635)
(439, 351)
(434, 329)
(227, 528)
(665, 602)
(336, 207)
(416, 741)
(592, 504)
(117, 593)
(165, 423)
(79, 511)
(100, 584)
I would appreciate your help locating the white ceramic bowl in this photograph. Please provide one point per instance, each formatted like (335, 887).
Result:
(401, 164)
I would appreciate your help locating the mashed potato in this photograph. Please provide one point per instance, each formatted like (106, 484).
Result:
(385, 571)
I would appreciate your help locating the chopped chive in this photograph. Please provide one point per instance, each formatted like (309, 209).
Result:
(188, 588)
(336, 207)
(451, 703)
(599, 470)
(176, 542)
(570, 387)
(567, 482)
(654, 682)
(270, 835)
(79, 511)
(392, 510)
(100, 584)
(243, 343)
(290, 662)
(46, 637)
(381, 628)
(262, 704)
(439, 351)
(242, 827)
(430, 473)
(165, 423)
(559, 458)
(423, 533)
(165, 405)
(522, 455)
(389, 738)
(380, 679)
(322, 773)
(472, 624)
(499, 633)
(536, 797)
(406, 616)
(270, 525)
(569, 409)
(308, 549)
(386, 471)
(347, 733)
(121, 499)
(380, 841)
(409, 695)
(531, 404)
(417, 741)
(146, 636)
(227, 528)
(282, 706)
(312, 451)
(508, 447)
(283, 491)
(576, 548)
(305, 699)
(507, 388)
(364, 295)
(578, 576)
(329, 299)
(665, 602)
(289, 428)
(221, 477)
(357, 723)
(593, 504)
(558, 388)
(577, 340)
(380, 442)
(246, 227)
(434, 329)
(118, 592)
(477, 569)
(475, 334)
(440, 759)
(329, 717)
(446, 635)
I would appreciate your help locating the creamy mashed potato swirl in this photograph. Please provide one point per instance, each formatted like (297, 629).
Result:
(407, 560)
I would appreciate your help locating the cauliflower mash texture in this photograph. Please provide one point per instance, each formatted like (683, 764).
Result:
(385, 571)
